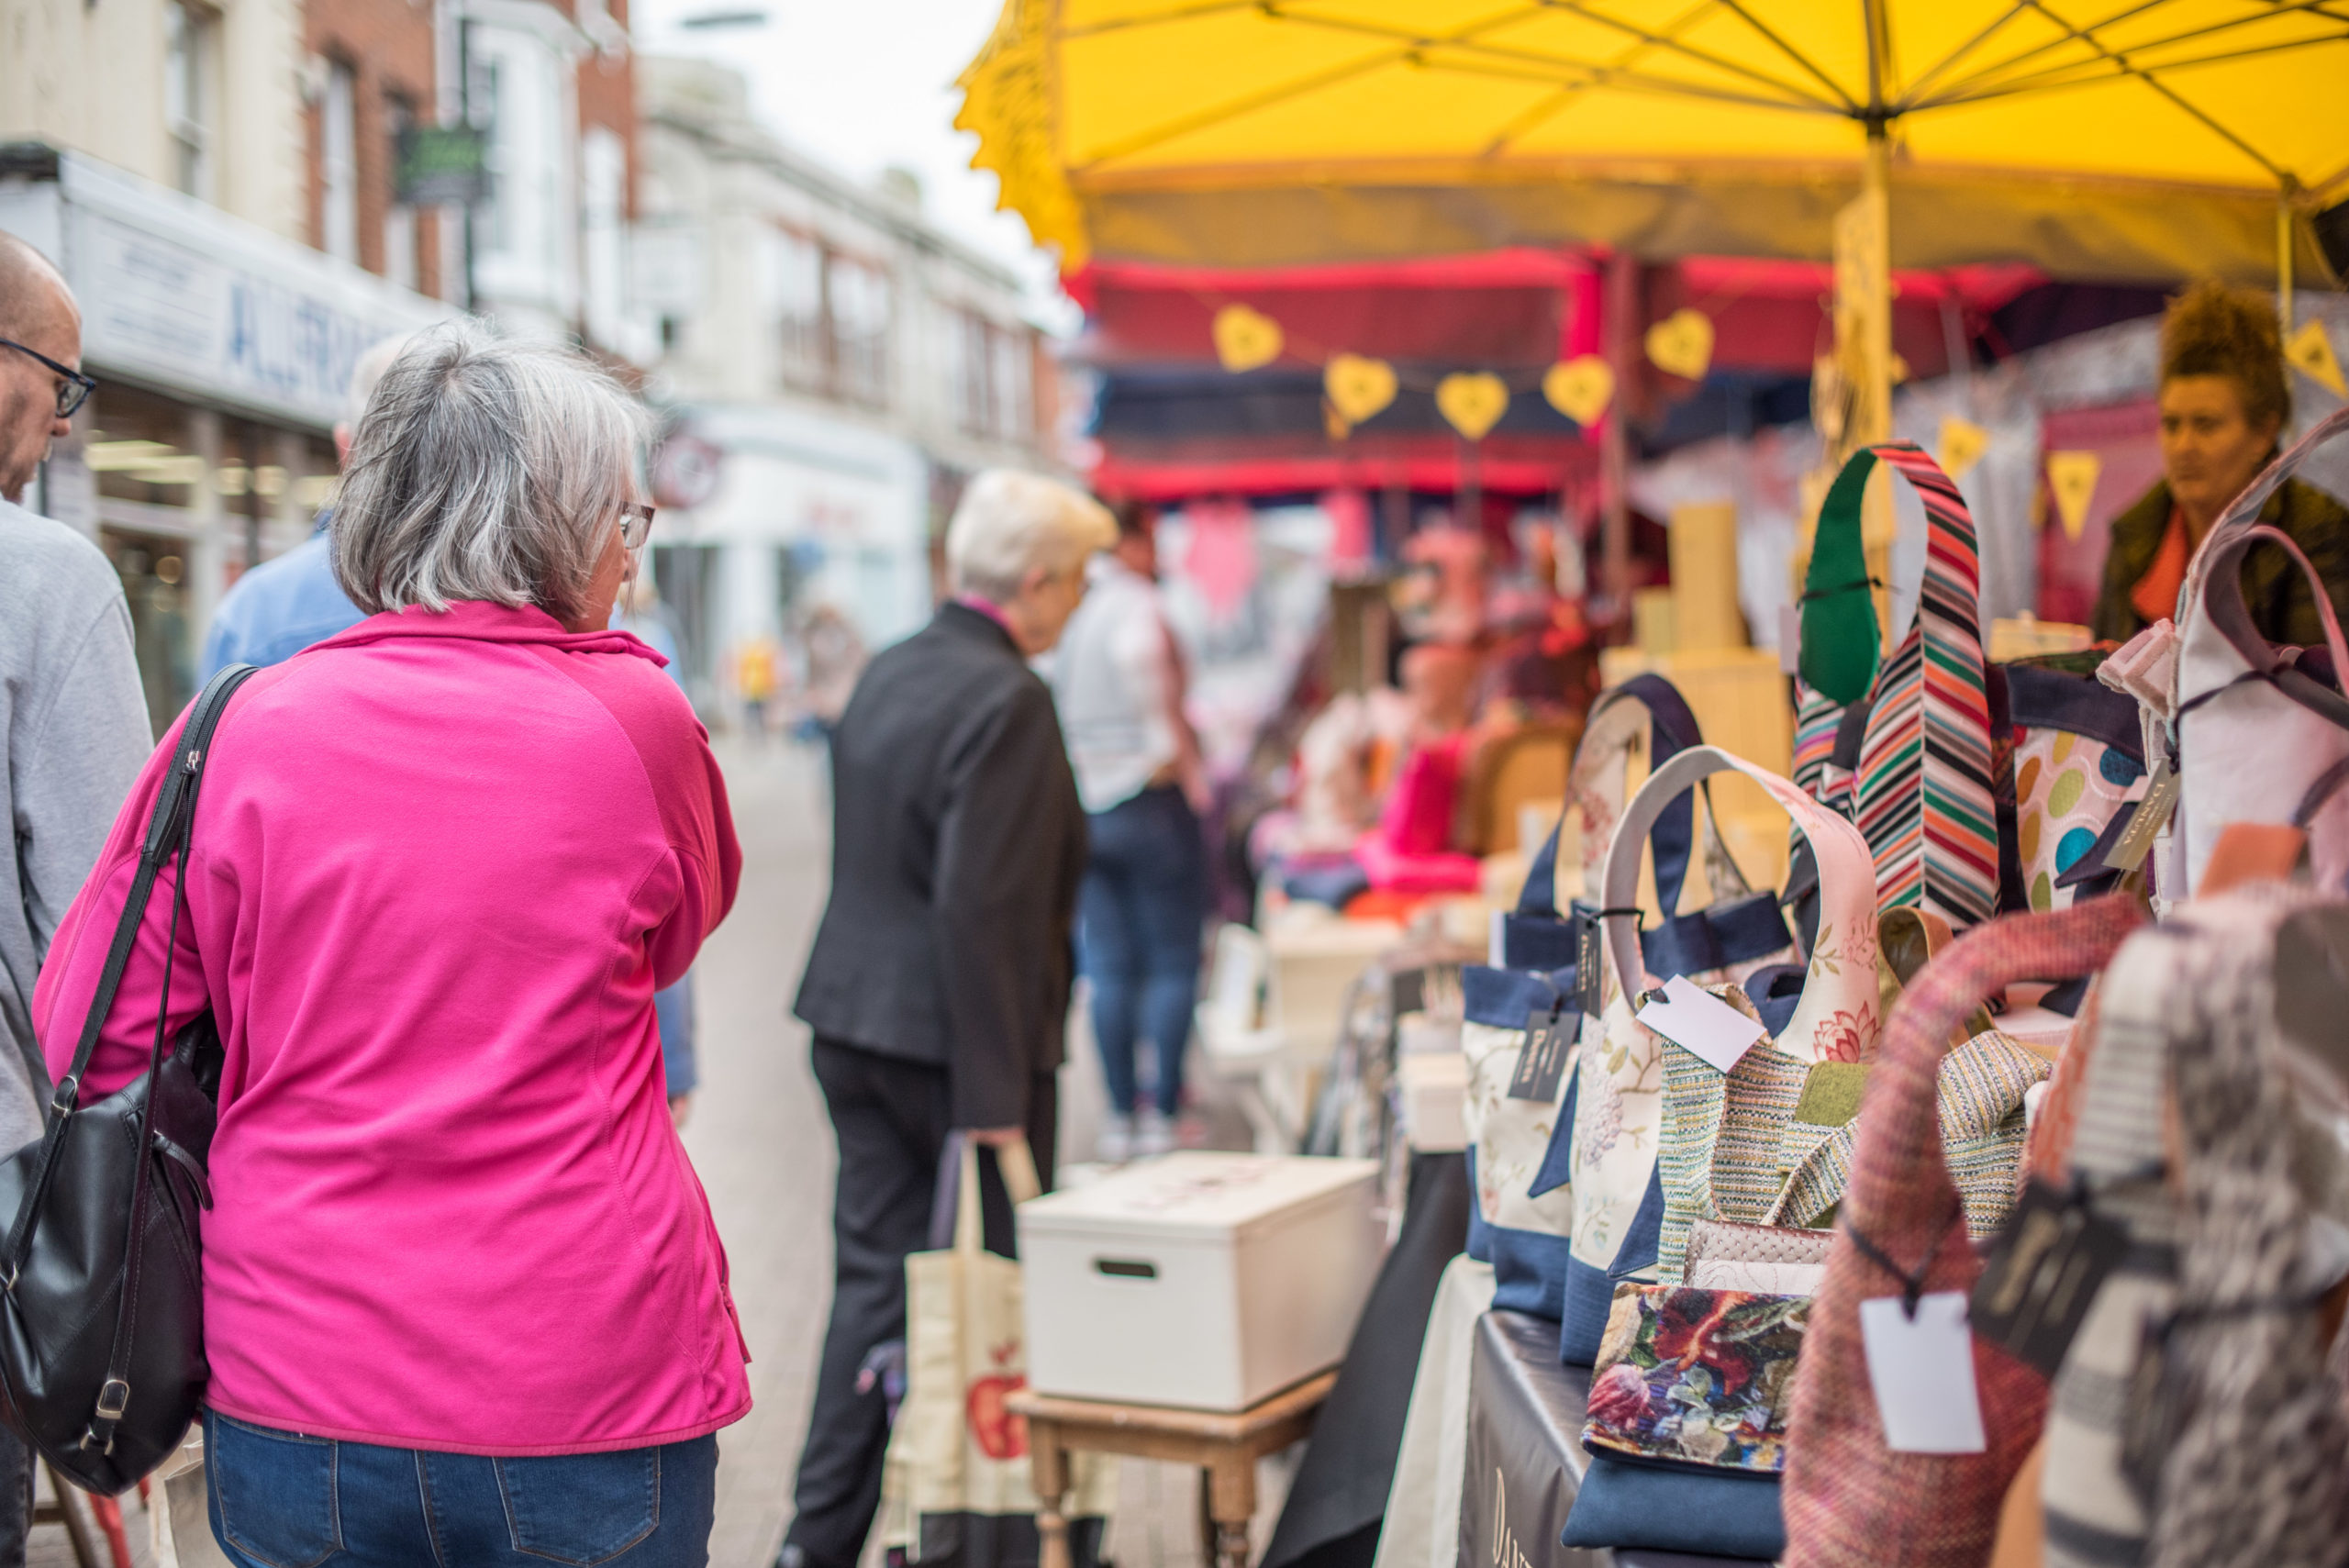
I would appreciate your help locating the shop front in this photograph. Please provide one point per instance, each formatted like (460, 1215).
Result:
(222, 354)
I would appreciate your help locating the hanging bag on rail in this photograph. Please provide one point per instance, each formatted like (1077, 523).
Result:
(2254, 732)
(1850, 1499)
(1922, 794)
(102, 1355)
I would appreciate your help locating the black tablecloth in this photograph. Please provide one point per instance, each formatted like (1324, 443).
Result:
(1526, 1459)
(1331, 1519)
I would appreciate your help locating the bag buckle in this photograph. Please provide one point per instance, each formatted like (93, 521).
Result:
(114, 1399)
(69, 1090)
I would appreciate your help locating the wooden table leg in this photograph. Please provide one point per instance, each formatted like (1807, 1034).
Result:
(1232, 1503)
(1048, 1461)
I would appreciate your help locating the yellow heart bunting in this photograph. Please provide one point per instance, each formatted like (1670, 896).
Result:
(1682, 344)
(2072, 476)
(1580, 389)
(1358, 387)
(2310, 352)
(1473, 402)
(1245, 339)
(1963, 443)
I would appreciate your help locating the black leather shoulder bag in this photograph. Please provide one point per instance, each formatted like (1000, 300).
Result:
(101, 1283)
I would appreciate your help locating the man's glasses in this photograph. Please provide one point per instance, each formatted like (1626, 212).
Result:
(636, 524)
(72, 391)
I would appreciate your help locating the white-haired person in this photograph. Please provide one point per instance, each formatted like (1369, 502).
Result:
(463, 1301)
(941, 974)
(279, 606)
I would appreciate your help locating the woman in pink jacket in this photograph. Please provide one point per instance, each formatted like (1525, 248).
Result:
(463, 1300)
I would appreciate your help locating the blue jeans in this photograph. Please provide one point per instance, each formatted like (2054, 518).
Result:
(282, 1500)
(1145, 895)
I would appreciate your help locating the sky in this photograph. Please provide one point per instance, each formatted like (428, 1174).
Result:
(862, 84)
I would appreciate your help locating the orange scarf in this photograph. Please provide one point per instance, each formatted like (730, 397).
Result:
(2155, 595)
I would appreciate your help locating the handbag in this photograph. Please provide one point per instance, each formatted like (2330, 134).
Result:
(1728, 1140)
(1687, 1414)
(101, 1358)
(1515, 1223)
(1922, 792)
(2240, 697)
(1850, 1500)
(1618, 1112)
(2080, 768)
(956, 1484)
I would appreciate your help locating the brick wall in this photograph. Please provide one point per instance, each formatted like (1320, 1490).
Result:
(388, 45)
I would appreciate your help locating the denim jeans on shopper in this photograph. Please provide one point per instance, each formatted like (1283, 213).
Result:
(284, 1500)
(1145, 895)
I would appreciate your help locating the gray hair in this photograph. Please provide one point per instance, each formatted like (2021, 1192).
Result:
(485, 470)
(1009, 524)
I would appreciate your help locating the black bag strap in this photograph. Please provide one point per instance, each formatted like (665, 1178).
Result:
(172, 826)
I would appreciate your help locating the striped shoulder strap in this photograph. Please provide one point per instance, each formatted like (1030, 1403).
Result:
(1923, 794)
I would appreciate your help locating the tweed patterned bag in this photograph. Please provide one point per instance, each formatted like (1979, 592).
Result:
(1852, 1502)
(1721, 1152)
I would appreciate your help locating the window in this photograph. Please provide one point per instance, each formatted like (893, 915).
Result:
(858, 298)
(991, 373)
(603, 219)
(793, 284)
(338, 164)
(400, 220)
(188, 46)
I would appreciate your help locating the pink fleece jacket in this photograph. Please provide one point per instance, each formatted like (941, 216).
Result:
(442, 864)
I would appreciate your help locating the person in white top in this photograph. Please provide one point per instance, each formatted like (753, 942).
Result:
(1119, 684)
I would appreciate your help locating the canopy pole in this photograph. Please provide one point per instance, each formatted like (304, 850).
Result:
(1875, 393)
(2284, 258)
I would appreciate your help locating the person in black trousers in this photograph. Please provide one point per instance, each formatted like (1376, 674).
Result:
(939, 978)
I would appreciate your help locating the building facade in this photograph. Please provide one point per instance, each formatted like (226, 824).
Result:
(848, 365)
(235, 192)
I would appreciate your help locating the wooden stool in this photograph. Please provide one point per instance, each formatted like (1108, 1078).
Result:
(1224, 1447)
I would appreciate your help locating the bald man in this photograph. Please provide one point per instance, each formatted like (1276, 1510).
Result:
(72, 713)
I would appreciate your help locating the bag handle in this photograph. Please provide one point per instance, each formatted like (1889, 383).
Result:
(171, 826)
(1840, 651)
(1847, 884)
(1671, 728)
(2220, 605)
(1014, 1162)
(1900, 1180)
(2252, 498)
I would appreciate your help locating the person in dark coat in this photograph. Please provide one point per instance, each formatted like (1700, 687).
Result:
(939, 979)
(2225, 402)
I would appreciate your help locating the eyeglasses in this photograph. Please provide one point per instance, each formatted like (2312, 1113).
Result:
(636, 524)
(71, 391)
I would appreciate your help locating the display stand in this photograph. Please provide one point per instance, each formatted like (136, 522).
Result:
(1226, 1447)
(1525, 1458)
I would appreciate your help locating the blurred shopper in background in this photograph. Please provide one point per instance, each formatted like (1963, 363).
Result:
(1119, 679)
(831, 656)
(641, 615)
(70, 711)
(758, 677)
(282, 606)
(941, 974)
(2226, 400)
(455, 1227)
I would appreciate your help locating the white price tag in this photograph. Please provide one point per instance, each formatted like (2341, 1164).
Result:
(1692, 1017)
(1922, 1370)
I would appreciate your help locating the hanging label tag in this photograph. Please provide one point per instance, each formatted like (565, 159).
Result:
(1591, 960)
(2128, 851)
(1542, 1065)
(1697, 1020)
(1922, 1370)
(2044, 1272)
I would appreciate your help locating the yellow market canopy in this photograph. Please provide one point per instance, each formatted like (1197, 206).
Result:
(2093, 138)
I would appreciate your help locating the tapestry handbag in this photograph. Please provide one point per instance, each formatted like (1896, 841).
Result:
(2240, 697)
(102, 1357)
(1685, 1424)
(1523, 1207)
(1851, 1501)
(1728, 1140)
(1617, 1116)
(1922, 794)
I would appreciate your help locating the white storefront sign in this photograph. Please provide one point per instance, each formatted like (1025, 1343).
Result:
(182, 297)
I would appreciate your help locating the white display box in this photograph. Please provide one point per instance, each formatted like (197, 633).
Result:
(1434, 1092)
(1204, 1281)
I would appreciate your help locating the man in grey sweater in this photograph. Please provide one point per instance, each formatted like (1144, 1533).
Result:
(71, 715)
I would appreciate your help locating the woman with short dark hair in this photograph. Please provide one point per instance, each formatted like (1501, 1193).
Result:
(2225, 402)
(463, 1298)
